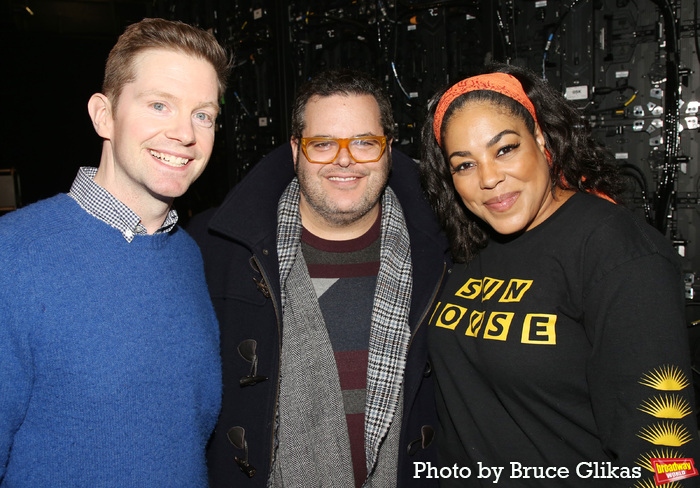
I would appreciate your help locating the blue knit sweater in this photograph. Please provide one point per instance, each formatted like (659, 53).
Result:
(109, 357)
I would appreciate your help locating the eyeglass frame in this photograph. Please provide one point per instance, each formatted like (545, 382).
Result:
(343, 143)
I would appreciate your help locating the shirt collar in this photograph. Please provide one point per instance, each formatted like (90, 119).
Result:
(101, 204)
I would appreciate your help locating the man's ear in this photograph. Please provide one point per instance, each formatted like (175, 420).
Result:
(100, 110)
(295, 151)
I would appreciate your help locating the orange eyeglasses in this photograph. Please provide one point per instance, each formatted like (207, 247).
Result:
(324, 150)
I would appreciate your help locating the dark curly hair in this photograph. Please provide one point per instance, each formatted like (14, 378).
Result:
(578, 162)
(341, 82)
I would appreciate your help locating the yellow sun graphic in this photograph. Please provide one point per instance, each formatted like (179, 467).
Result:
(652, 484)
(665, 378)
(667, 407)
(645, 459)
(665, 434)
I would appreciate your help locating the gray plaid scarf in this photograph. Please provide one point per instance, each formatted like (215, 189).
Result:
(313, 449)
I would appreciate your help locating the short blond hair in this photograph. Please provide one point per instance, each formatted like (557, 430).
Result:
(161, 34)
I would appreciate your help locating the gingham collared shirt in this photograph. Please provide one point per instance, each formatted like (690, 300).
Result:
(101, 204)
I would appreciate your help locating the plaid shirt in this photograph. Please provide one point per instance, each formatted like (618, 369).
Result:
(101, 204)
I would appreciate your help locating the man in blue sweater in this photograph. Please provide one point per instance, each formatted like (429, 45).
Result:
(109, 352)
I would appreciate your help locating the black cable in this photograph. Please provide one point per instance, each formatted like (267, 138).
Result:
(696, 22)
(669, 173)
(607, 90)
(507, 40)
(635, 172)
(392, 61)
(550, 38)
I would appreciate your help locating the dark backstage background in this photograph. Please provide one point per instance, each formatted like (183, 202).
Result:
(631, 66)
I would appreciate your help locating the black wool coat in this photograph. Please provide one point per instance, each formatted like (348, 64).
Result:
(238, 243)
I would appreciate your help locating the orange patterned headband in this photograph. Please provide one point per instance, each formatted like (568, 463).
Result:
(502, 83)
